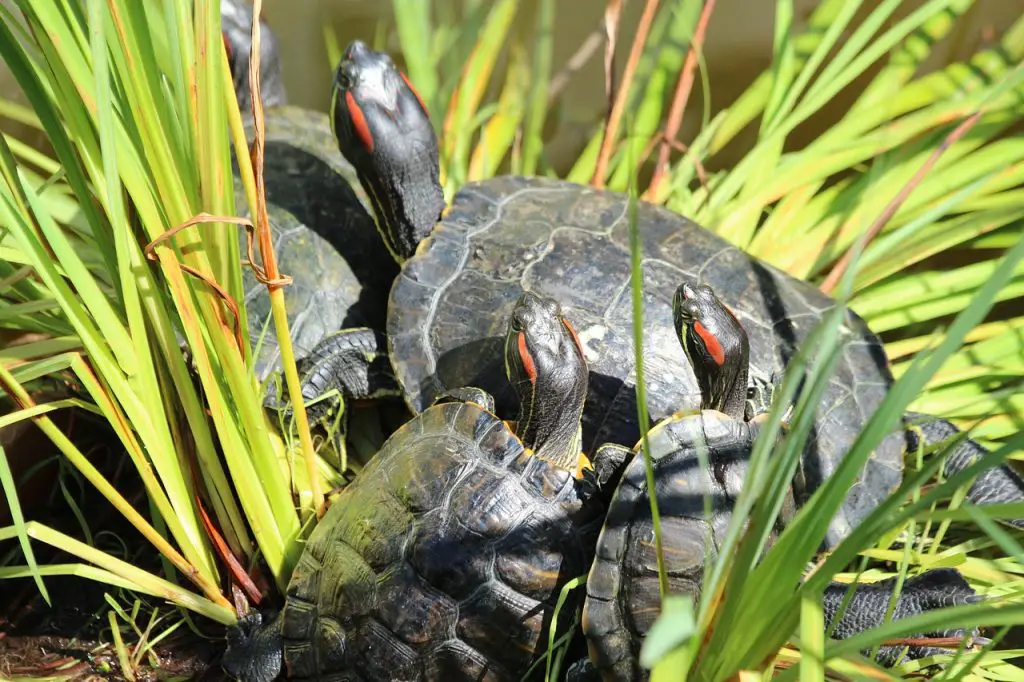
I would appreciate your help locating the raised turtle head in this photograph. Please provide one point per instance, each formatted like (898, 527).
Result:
(383, 129)
(236, 29)
(544, 362)
(716, 346)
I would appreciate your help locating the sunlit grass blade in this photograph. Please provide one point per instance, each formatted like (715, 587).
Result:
(462, 110)
(128, 124)
(812, 639)
(537, 105)
(10, 489)
(801, 538)
(90, 336)
(415, 29)
(141, 580)
(498, 134)
(930, 295)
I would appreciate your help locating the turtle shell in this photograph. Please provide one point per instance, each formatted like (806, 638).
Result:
(622, 588)
(323, 236)
(442, 561)
(571, 242)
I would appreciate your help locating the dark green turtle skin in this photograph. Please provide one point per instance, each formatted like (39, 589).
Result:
(446, 556)
(622, 588)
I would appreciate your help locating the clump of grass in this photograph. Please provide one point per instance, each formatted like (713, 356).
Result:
(137, 107)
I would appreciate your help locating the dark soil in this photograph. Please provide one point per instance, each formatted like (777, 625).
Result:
(70, 638)
(79, 659)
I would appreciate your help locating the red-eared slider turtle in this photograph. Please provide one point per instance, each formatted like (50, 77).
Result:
(445, 558)
(622, 588)
(323, 237)
(462, 273)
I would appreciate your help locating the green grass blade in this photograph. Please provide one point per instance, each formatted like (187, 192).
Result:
(415, 28)
(476, 75)
(537, 107)
(10, 489)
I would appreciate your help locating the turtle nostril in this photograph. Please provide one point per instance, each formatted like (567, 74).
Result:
(356, 49)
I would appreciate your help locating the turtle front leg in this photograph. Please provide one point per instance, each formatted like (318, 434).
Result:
(351, 364)
(606, 468)
(254, 650)
(938, 588)
(355, 362)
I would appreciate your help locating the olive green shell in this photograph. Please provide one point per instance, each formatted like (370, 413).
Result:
(570, 242)
(442, 561)
(324, 238)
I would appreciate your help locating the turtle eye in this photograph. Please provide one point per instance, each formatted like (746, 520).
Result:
(344, 78)
(688, 309)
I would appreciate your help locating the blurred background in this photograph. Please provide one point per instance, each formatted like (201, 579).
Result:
(737, 48)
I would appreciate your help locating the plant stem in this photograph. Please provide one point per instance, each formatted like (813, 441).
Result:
(273, 278)
(611, 127)
(679, 100)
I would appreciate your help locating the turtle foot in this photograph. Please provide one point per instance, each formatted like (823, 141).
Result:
(582, 671)
(254, 650)
(351, 364)
(609, 463)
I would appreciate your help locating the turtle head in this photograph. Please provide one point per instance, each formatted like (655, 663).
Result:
(544, 362)
(383, 129)
(716, 346)
(236, 30)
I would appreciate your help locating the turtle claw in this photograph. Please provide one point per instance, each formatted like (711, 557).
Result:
(609, 463)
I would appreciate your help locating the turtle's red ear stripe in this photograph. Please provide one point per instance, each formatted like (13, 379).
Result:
(355, 114)
(711, 344)
(408, 84)
(526, 358)
(575, 336)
